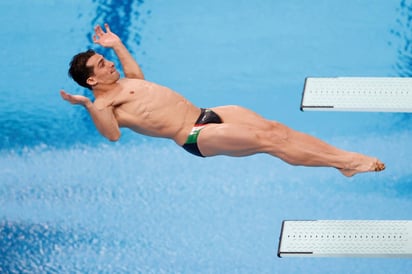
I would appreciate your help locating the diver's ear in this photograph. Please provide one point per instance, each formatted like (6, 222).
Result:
(91, 81)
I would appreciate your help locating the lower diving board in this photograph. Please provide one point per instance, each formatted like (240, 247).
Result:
(346, 238)
(375, 94)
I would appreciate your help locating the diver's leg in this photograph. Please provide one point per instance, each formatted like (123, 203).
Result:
(276, 139)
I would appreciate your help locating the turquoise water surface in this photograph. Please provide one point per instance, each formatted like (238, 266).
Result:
(72, 202)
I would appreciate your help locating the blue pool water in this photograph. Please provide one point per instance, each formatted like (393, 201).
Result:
(71, 202)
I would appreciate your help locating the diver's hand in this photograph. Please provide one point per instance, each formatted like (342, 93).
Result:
(106, 39)
(75, 99)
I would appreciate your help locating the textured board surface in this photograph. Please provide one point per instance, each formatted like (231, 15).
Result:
(375, 94)
(360, 238)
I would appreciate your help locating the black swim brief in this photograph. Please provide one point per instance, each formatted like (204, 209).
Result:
(207, 116)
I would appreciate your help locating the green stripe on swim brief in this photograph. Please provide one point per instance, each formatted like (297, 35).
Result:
(192, 138)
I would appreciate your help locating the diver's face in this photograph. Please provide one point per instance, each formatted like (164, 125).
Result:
(104, 71)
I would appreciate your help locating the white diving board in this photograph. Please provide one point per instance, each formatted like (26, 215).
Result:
(346, 238)
(375, 94)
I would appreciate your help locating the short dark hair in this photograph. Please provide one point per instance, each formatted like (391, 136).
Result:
(79, 71)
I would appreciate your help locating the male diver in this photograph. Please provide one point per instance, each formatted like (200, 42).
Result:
(154, 110)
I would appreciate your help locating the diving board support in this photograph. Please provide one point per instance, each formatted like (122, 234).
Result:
(374, 94)
(346, 238)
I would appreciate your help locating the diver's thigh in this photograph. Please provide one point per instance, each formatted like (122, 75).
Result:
(230, 139)
(241, 115)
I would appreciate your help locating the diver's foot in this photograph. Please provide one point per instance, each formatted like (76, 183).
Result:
(364, 164)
